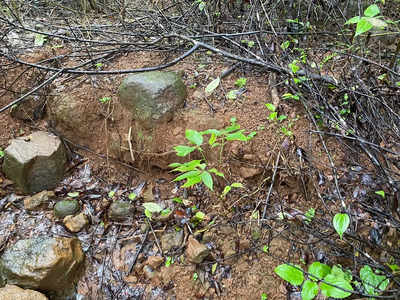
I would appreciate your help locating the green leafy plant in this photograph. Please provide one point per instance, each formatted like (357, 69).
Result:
(40, 39)
(1, 153)
(341, 222)
(373, 283)
(380, 193)
(273, 115)
(309, 215)
(368, 21)
(241, 82)
(132, 196)
(228, 188)
(196, 171)
(291, 96)
(169, 261)
(151, 208)
(264, 296)
(248, 43)
(312, 284)
(105, 99)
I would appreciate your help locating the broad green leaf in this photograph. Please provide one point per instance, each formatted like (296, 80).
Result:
(212, 86)
(148, 213)
(353, 20)
(214, 268)
(338, 272)
(194, 136)
(192, 181)
(212, 139)
(270, 107)
(165, 212)
(290, 274)
(285, 45)
(341, 222)
(216, 172)
(380, 193)
(372, 282)
(132, 196)
(363, 26)
(183, 150)
(226, 190)
(272, 116)
(187, 175)
(318, 270)
(236, 185)
(207, 179)
(372, 11)
(331, 291)
(152, 207)
(310, 290)
(236, 136)
(377, 22)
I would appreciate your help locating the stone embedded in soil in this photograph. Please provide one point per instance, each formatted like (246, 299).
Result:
(35, 162)
(171, 240)
(120, 210)
(152, 97)
(248, 172)
(196, 252)
(13, 292)
(65, 208)
(76, 223)
(46, 264)
(38, 200)
(154, 261)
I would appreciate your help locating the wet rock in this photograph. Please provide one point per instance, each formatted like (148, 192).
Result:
(76, 223)
(152, 97)
(46, 264)
(35, 162)
(154, 261)
(195, 251)
(13, 292)
(120, 210)
(65, 208)
(38, 200)
(171, 240)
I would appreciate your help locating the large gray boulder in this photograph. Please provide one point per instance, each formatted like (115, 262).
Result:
(35, 162)
(152, 97)
(45, 264)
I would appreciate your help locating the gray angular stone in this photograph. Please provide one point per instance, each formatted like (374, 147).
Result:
(171, 240)
(120, 210)
(35, 162)
(46, 264)
(66, 208)
(152, 97)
